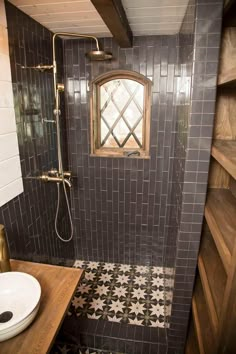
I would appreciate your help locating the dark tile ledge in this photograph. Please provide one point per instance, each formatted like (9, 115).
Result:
(111, 336)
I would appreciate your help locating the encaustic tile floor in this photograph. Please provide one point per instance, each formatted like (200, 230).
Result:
(137, 295)
(65, 348)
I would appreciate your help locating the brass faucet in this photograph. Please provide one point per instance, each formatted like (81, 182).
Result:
(4, 252)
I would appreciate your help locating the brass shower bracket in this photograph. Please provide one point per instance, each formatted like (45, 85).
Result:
(60, 87)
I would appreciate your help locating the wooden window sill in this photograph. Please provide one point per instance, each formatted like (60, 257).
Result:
(119, 155)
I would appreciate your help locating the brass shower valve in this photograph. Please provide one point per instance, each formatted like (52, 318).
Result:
(54, 176)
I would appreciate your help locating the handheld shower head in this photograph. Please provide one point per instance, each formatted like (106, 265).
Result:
(99, 55)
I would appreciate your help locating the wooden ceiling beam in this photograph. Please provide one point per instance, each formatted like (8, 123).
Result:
(114, 16)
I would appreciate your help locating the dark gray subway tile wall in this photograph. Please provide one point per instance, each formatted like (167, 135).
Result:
(29, 218)
(121, 205)
(125, 210)
(182, 112)
(196, 156)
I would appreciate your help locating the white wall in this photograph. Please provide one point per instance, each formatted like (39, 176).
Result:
(10, 170)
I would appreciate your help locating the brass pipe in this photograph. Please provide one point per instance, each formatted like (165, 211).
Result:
(4, 252)
(65, 34)
(67, 174)
(39, 67)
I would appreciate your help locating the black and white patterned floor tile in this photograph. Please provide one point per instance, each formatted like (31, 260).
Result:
(66, 348)
(138, 295)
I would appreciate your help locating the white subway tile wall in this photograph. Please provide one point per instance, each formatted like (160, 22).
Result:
(10, 170)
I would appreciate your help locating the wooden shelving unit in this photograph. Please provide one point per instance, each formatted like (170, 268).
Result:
(213, 323)
(206, 337)
(208, 295)
(192, 346)
(220, 214)
(213, 275)
(197, 327)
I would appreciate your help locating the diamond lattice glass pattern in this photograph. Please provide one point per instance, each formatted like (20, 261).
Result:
(121, 108)
(121, 131)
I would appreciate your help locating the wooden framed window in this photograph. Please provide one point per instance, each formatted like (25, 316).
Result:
(120, 114)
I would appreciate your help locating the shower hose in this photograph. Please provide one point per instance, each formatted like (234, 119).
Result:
(61, 172)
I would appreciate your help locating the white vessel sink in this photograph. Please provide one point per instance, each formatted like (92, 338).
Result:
(19, 302)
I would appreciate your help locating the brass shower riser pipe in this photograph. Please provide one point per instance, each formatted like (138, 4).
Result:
(65, 34)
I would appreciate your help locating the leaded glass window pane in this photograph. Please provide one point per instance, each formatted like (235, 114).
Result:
(121, 111)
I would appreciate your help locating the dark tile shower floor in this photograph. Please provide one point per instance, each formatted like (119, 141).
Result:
(122, 294)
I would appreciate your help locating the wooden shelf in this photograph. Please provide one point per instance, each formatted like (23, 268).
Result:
(204, 332)
(208, 295)
(192, 343)
(221, 218)
(213, 275)
(224, 151)
(197, 327)
(227, 78)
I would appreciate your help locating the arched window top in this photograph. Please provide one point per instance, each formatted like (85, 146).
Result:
(121, 74)
(120, 110)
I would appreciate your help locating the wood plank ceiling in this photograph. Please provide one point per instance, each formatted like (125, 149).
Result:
(145, 17)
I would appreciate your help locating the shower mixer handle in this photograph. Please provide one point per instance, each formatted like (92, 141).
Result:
(67, 174)
(53, 172)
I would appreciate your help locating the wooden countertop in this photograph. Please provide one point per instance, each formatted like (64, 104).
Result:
(58, 285)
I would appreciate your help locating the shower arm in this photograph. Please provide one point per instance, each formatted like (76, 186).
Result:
(65, 34)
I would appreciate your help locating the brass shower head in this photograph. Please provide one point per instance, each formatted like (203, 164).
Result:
(99, 55)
